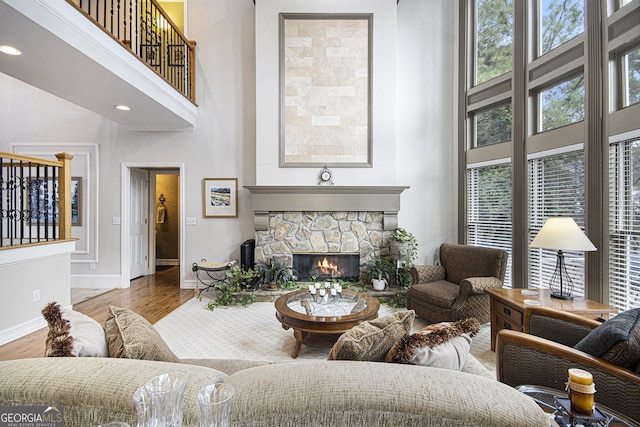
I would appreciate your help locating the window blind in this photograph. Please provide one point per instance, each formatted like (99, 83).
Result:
(556, 188)
(624, 224)
(489, 209)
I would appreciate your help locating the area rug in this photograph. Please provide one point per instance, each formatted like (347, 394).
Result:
(193, 331)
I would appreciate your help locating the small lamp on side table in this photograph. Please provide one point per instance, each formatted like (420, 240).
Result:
(561, 234)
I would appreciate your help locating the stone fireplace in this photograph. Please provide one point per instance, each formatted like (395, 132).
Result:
(324, 220)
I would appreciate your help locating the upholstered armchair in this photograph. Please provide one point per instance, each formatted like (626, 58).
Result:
(455, 289)
(544, 351)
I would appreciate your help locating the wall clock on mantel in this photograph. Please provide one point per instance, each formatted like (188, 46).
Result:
(326, 176)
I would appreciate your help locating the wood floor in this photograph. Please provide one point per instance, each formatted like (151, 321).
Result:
(153, 297)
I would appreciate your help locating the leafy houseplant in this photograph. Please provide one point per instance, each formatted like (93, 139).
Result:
(379, 269)
(229, 291)
(407, 244)
(407, 254)
(274, 274)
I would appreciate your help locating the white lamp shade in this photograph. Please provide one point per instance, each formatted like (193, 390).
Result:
(562, 233)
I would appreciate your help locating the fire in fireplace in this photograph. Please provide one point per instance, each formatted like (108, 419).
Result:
(323, 266)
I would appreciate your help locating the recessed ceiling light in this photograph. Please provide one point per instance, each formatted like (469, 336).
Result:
(9, 50)
(123, 108)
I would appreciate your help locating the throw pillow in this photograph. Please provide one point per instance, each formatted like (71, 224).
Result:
(59, 342)
(441, 345)
(89, 339)
(131, 336)
(616, 341)
(371, 341)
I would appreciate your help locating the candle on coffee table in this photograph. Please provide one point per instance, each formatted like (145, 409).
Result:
(581, 391)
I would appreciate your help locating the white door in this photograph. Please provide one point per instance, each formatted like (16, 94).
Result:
(138, 228)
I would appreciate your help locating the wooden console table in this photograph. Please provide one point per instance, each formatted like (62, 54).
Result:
(507, 308)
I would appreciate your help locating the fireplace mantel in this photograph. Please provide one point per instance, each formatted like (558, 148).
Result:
(325, 198)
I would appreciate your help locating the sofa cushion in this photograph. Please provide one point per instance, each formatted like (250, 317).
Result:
(59, 341)
(89, 339)
(131, 336)
(616, 341)
(441, 345)
(371, 341)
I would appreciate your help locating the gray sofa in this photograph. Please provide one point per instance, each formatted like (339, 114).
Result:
(319, 393)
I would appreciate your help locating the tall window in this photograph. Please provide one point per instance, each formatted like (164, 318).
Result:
(556, 188)
(562, 104)
(624, 224)
(542, 83)
(561, 21)
(493, 126)
(489, 209)
(494, 23)
(630, 76)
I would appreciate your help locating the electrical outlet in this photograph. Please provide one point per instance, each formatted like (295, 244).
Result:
(92, 266)
(36, 295)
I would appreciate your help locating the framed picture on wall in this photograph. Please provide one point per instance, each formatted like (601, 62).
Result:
(220, 197)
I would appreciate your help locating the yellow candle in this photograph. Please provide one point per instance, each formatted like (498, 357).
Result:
(581, 391)
(580, 376)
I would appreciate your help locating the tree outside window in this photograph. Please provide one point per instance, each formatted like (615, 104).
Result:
(562, 104)
(561, 21)
(494, 38)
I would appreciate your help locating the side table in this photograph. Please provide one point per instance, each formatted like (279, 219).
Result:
(551, 400)
(507, 307)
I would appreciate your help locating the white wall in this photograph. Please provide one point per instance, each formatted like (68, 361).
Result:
(427, 46)
(31, 277)
(223, 144)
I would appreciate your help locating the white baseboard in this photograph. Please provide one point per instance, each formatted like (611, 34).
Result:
(98, 281)
(168, 261)
(19, 331)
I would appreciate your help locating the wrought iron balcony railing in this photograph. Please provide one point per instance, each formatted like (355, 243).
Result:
(147, 31)
(36, 199)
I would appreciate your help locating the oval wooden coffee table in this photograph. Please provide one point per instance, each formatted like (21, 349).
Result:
(320, 323)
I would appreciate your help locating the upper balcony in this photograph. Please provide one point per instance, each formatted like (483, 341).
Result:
(138, 60)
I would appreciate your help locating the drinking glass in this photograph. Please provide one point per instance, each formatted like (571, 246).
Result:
(215, 403)
(142, 402)
(166, 392)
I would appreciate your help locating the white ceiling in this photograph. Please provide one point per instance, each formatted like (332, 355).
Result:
(65, 54)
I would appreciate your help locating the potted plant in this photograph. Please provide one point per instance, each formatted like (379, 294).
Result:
(273, 273)
(379, 269)
(403, 246)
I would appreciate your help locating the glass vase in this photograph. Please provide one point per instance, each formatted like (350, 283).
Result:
(215, 404)
(166, 392)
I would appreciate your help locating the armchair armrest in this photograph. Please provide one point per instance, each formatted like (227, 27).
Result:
(477, 285)
(527, 359)
(557, 325)
(427, 273)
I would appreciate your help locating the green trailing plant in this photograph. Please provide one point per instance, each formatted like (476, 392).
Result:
(245, 280)
(411, 253)
(230, 295)
(396, 301)
(409, 258)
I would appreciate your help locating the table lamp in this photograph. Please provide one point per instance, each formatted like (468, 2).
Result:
(561, 234)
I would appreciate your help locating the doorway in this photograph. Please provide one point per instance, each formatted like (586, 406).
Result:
(134, 199)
